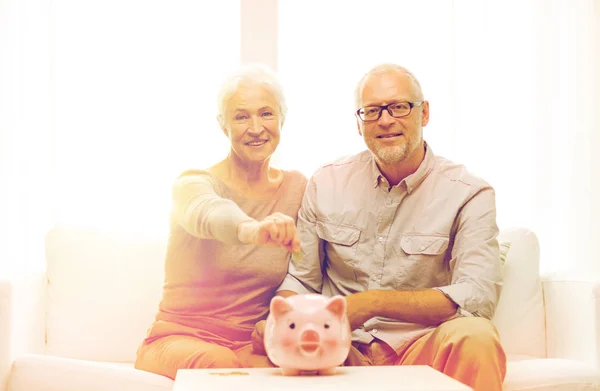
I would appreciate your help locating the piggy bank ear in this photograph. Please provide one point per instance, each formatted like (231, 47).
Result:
(279, 306)
(337, 306)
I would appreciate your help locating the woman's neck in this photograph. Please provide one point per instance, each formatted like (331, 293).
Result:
(249, 173)
(252, 179)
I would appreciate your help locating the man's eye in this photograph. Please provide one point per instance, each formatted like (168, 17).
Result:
(241, 117)
(267, 114)
(372, 110)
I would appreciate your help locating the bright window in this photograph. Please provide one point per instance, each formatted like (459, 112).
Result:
(136, 85)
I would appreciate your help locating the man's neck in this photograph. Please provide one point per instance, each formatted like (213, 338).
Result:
(395, 173)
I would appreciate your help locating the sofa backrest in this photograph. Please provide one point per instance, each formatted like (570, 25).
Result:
(104, 290)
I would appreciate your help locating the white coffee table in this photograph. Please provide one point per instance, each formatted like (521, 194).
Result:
(382, 378)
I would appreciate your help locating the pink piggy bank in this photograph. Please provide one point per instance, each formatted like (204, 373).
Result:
(307, 333)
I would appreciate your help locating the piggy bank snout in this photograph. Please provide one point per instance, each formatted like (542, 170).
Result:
(309, 336)
(309, 341)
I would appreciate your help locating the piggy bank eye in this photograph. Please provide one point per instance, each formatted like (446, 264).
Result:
(326, 325)
(292, 326)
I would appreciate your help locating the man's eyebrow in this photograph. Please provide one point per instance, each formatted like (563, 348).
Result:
(389, 102)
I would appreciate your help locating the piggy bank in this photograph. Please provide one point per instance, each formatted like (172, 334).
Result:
(307, 333)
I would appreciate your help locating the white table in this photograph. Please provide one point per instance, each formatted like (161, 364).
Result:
(380, 378)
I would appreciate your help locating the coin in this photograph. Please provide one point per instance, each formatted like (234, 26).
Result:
(297, 256)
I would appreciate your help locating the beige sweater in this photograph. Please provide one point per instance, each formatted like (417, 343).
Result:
(215, 287)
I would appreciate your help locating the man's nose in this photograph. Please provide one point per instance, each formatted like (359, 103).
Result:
(386, 119)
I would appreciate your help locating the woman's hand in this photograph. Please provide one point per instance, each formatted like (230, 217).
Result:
(258, 338)
(274, 230)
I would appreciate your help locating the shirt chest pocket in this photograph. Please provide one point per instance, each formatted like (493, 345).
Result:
(417, 245)
(422, 261)
(340, 248)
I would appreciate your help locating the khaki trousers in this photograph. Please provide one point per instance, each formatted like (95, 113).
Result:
(166, 355)
(466, 349)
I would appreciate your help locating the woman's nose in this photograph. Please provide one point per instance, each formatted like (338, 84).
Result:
(255, 126)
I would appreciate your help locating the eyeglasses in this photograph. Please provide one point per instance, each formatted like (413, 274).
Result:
(396, 110)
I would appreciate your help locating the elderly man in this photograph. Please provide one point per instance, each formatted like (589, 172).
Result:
(409, 238)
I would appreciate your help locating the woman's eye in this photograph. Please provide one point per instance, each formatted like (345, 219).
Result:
(240, 117)
(267, 114)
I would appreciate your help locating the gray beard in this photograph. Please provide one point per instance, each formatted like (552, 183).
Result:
(391, 154)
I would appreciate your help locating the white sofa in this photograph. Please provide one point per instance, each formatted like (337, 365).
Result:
(77, 326)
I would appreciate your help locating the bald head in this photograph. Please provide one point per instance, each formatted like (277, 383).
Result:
(387, 68)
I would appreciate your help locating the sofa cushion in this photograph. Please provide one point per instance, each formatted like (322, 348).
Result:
(103, 292)
(48, 373)
(519, 316)
(552, 374)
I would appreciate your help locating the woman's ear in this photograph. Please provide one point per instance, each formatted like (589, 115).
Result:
(222, 126)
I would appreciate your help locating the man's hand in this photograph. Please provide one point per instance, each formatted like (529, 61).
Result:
(274, 230)
(258, 337)
(359, 309)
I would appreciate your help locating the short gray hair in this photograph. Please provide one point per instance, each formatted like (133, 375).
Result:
(251, 74)
(383, 68)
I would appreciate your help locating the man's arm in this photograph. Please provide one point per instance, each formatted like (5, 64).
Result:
(305, 275)
(428, 307)
(476, 276)
(475, 263)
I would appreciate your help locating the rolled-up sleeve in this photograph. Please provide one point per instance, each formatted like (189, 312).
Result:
(202, 212)
(305, 276)
(475, 264)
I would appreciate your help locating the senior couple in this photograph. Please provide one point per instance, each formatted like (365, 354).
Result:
(408, 237)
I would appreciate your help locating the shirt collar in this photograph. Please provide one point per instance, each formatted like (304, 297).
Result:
(412, 181)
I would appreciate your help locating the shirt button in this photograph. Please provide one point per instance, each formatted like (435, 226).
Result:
(374, 331)
(422, 248)
(380, 238)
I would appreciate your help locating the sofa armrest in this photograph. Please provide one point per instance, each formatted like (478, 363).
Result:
(22, 319)
(572, 318)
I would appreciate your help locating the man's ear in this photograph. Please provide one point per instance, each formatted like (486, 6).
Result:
(358, 126)
(425, 113)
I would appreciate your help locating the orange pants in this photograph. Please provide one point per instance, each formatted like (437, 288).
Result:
(466, 349)
(166, 355)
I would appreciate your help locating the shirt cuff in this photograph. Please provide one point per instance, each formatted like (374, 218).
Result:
(290, 283)
(462, 295)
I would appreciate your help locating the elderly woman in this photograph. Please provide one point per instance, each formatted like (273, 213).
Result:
(232, 232)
